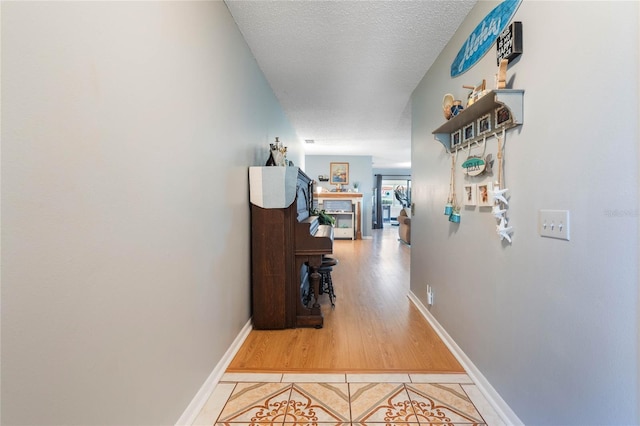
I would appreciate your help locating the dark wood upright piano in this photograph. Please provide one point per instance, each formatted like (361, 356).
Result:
(287, 245)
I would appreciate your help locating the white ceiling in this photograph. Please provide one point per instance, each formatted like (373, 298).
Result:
(344, 71)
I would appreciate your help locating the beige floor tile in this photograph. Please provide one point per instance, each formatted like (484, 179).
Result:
(257, 402)
(316, 424)
(247, 424)
(214, 405)
(319, 403)
(440, 403)
(440, 378)
(313, 378)
(380, 403)
(490, 415)
(389, 423)
(252, 377)
(378, 378)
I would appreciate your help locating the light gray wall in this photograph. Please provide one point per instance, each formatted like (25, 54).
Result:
(127, 132)
(552, 324)
(359, 171)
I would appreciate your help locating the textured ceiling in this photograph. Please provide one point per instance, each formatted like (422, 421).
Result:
(344, 70)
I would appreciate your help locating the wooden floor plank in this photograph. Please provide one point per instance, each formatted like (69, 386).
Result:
(373, 328)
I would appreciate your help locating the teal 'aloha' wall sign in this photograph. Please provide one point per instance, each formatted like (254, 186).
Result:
(483, 37)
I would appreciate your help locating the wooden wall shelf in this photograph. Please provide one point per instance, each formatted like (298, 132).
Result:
(512, 99)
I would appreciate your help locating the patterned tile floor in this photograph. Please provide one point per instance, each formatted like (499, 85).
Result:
(346, 399)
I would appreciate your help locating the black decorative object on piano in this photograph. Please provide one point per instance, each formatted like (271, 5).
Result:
(271, 161)
(287, 245)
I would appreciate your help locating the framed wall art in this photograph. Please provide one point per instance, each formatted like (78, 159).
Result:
(467, 132)
(484, 124)
(484, 194)
(503, 116)
(456, 139)
(339, 173)
(470, 194)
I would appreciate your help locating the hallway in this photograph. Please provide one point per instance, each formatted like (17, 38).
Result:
(373, 328)
(376, 361)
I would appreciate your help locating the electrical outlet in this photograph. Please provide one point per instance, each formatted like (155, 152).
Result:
(554, 224)
(429, 295)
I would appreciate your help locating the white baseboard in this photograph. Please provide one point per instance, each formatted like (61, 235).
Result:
(499, 405)
(195, 406)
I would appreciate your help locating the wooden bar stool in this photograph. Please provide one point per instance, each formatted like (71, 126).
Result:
(326, 284)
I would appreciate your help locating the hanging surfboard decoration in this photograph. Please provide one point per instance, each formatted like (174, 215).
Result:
(483, 36)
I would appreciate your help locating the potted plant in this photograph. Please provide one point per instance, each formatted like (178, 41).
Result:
(356, 185)
(323, 217)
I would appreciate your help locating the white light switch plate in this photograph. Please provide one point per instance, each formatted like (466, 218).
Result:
(554, 224)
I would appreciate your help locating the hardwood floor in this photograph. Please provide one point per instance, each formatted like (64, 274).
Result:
(373, 328)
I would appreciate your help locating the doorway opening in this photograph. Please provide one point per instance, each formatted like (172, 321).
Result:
(391, 195)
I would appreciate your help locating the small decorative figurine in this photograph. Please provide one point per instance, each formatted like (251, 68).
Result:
(447, 103)
(476, 92)
(271, 161)
(498, 212)
(456, 107)
(503, 230)
(277, 154)
(498, 195)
